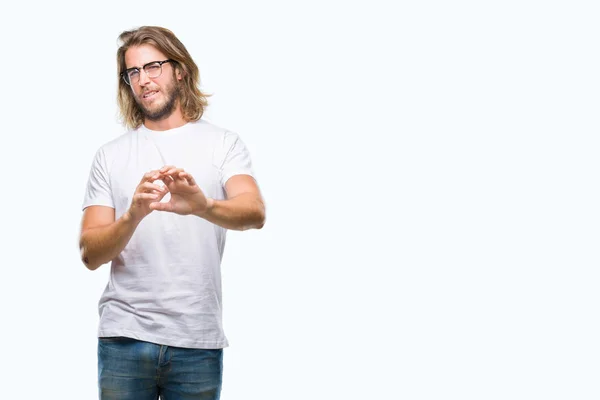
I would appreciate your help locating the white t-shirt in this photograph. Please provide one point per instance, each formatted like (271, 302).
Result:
(165, 286)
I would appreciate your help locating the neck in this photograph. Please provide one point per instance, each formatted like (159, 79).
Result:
(175, 120)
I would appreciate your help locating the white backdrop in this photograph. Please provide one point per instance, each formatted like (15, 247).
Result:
(430, 171)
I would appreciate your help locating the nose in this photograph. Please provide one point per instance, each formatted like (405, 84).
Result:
(144, 79)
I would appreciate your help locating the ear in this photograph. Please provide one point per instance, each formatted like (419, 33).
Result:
(180, 74)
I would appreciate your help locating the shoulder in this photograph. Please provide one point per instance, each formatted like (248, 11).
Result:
(209, 129)
(217, 138)
(114, 149)
(212, 130)
(122, 140)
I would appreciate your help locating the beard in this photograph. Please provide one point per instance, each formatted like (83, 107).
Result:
(172, 93)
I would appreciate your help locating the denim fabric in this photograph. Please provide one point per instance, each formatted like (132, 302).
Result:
(130, 369)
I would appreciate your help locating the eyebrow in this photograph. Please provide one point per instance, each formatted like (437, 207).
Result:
(148, 63)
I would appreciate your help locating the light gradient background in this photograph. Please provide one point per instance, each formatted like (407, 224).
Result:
(430, 171)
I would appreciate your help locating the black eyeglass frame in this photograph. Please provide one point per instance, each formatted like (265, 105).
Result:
(125, 74)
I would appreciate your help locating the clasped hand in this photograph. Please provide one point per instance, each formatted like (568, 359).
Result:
(186, 195)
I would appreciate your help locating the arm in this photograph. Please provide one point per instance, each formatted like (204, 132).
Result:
(102, 238)
(243, 209)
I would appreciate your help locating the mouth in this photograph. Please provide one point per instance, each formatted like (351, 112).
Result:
(149, 94)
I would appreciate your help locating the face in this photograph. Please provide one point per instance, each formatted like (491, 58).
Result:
(157, 97)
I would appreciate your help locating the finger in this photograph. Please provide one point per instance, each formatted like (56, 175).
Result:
(149, 176)
(162, 194)
(161, 206)
(169, 182)
(166, 168)
(189, 178)
(159, 195)
(146, 196)
(168, 178)
(148, 187)
(173, 173)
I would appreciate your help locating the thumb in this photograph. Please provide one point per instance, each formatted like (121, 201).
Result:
(157, 205)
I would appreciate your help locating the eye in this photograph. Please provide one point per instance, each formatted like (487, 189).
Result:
(134, 73)
(152, 68)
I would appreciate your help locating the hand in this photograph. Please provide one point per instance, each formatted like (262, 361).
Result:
(186, 196)
(145, 194)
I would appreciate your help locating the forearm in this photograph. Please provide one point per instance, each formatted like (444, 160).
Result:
(100, 245)
(245, 211)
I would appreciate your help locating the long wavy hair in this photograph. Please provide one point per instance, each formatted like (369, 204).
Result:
(192, 100)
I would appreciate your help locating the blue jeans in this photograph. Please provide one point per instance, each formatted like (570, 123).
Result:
(129, 369)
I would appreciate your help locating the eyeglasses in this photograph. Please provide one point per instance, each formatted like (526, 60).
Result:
(152, 69)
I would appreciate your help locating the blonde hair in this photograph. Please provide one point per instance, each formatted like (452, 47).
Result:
(192, 100)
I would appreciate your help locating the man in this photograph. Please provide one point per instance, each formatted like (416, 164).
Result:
(157, 206)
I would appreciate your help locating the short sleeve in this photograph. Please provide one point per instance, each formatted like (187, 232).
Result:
(98, 191)
(236, 159)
